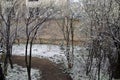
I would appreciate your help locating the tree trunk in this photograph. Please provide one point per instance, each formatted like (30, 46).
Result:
(116, 72)
(29, 73)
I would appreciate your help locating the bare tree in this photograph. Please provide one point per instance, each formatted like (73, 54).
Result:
(104, 50)
(34, 20)
(67, 29)
(9, 19)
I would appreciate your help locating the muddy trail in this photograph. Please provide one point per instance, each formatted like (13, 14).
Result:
(50, 70)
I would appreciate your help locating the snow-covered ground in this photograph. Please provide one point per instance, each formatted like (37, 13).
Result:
(20, 73)
(51, 52)
(78, 70)
(55, 54)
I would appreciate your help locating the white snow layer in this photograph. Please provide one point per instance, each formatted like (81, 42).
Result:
(20, 73)
(55, 54)
(51, 52)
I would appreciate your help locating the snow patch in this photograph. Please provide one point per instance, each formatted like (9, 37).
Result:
(20, 73)
(51, 52)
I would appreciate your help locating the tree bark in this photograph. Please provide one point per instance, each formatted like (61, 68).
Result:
(116, 71)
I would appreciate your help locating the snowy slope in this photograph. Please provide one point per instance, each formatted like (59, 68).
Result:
(20, 73)
(52, 52)
(55, 54)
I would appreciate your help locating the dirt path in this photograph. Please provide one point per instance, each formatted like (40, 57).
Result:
(50, 70)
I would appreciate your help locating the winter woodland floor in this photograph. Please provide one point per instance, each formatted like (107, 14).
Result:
(50, 70)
